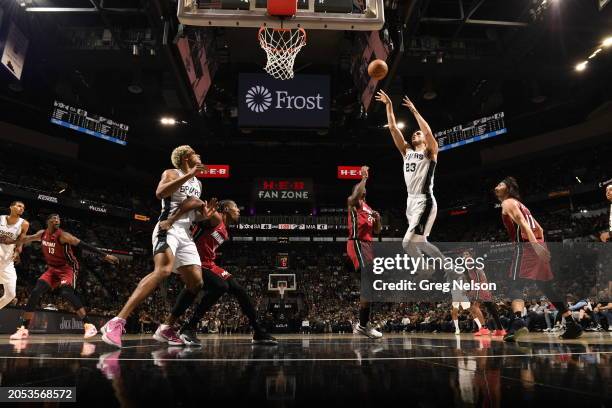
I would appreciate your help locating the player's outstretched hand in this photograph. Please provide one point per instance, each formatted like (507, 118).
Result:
(209, 207)
(364, 171)
(381, 96)
(7, 241)
(112, 259)
(408, 103)
(541, 252)
(197, 169)
(165, 225)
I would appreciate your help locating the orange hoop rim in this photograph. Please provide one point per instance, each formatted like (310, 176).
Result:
(266, 46)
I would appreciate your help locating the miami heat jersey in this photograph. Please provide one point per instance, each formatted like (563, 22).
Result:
(10, 232)
(207, 240)
(418, 173)
(57, 254)
(191, 188)
(514, 230)
(361, 222)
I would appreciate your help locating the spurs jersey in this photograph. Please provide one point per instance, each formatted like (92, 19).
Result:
(191, 188)
(418, 173)
(11, 232)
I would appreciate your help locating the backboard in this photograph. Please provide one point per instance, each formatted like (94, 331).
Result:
(253, 13)
(281, 282)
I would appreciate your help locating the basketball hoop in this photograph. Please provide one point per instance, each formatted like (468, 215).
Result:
(281, 46)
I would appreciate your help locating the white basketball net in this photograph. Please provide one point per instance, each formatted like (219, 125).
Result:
(281, 46)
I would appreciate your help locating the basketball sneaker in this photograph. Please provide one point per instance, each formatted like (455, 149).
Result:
(90, 330)
(482, 332)
(367, 331)
(264, 338)
(21, 334)
(190, 338)
(112, 331)
(457, 331)
(167, 334)
(499, 332)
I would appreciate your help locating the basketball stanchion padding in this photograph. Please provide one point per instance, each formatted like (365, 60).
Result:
(282, 8)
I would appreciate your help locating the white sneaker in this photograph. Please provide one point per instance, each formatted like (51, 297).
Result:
(21, 334)
(90, 330)
(368, 331)
(457, 331)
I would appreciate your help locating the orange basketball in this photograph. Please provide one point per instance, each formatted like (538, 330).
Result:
(378, 69)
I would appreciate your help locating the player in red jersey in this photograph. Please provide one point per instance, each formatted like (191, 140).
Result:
(362, 223)
(61, 273)
(208, 236)
(531, 263)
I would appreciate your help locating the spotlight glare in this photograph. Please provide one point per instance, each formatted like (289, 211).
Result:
(168, 121)
(401, 125)
(581, 66)
(597, 51)
(607, 42)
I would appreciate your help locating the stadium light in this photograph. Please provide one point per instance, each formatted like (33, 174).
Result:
(578, 179)
(400, 125)
(581, 66)
(168, 121)
(607, 42)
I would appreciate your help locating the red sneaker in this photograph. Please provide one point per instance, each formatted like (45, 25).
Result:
(501, 332)
(482, 332)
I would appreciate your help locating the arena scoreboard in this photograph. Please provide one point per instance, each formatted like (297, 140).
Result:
(85, 122)
(474, 131)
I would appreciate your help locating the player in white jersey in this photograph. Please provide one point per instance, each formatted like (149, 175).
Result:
(12, 227)
(420, 158)
(173, 249)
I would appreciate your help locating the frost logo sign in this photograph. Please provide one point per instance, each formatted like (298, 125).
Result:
(258, 99)
(300, 102)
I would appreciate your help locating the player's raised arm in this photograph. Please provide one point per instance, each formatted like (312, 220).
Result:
(67, 238)
(171, 181)
(353, 200)
(432, 143)
(398, 137)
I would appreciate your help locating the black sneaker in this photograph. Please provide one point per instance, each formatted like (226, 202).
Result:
(572, 331)
(189, 338)
(263, 338)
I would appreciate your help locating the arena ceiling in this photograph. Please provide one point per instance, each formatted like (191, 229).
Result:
(478, 56)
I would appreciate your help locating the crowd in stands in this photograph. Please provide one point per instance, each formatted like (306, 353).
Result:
(329, 290)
